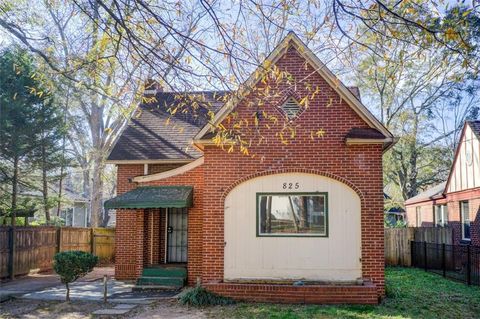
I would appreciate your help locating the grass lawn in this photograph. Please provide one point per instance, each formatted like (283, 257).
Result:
(411, 293)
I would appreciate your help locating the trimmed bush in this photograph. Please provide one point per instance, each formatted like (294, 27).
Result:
(200, 296)
(71, 265)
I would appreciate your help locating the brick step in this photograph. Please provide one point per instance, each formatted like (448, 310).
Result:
(161, 281)
(164, 272)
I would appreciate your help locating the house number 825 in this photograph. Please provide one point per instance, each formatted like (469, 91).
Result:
(291, 185)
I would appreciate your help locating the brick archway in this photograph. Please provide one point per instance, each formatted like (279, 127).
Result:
(295, 170)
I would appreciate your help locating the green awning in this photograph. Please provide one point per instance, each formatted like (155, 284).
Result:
(153, 197)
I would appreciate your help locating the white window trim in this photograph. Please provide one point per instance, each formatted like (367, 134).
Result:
(258, 226)
(443, 215)
(462, 219)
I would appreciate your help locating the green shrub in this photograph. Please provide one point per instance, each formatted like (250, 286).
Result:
(200, 296)
(71, 265)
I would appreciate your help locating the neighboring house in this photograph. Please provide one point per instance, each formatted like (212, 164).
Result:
(394, 213)
(75, 208)
(302, 224)
(454, 203)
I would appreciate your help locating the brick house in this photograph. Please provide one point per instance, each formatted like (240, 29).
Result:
(456, 202)
(301, 223)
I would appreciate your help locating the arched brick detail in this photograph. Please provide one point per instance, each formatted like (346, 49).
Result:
(295, 170)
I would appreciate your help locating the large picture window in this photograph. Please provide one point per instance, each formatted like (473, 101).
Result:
(292, 214)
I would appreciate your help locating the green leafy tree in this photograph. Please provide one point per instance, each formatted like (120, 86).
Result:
(49, 156)
(21, 100)
(416, 91)
(72, 265)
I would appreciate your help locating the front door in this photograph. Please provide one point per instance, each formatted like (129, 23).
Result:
(177, 238)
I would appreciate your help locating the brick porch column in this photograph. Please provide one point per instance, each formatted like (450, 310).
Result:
(129, 243)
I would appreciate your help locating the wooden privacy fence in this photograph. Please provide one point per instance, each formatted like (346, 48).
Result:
(35, 246)
(398, 247)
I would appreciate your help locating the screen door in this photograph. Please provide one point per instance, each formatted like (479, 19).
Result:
(177, 235)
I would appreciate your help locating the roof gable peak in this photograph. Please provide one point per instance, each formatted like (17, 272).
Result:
(292, 40)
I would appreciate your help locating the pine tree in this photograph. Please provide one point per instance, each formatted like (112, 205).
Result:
(21, 100)
(49, 156)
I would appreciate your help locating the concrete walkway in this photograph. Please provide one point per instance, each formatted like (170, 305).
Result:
(82, 290)
(36, 282)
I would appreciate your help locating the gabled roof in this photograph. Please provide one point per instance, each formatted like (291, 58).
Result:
(438, 191)
(292, 40)
(434, 192)
(155, 134)
(475, 127)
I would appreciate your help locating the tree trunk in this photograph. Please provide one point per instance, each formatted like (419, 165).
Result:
(60, 189)
(14, 216)
(97, 191)
(68, 293)
(45, 185)
(14, 190)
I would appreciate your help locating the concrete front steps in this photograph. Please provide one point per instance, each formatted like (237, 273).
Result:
(162, 277)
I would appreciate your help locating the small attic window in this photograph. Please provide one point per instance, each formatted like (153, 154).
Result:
(291, 108)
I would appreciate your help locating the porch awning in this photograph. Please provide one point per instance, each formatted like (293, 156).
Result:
(153, 197)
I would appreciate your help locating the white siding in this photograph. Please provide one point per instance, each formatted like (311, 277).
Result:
(466, 173)
(332, 258)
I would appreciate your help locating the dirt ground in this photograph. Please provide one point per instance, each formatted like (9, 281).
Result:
(29, 309)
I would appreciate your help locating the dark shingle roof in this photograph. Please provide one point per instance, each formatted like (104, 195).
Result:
(431, 193)
(155, 134)
(367, 133)
(475, 126)
(355, 91)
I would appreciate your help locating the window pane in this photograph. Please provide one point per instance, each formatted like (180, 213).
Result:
(464, 214)
(418, 211)
(292, 214)
(441, 215)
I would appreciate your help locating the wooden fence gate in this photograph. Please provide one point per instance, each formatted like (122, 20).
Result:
(35, 246)
(397, 242)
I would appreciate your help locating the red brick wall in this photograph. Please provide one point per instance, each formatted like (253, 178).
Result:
(454, 219)
(159, 168)
(163, 221)
(426, 209)
(359, 165)
(129, 229)
(153, 236)
(309, 294)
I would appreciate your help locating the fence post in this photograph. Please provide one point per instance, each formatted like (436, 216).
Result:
(469, 266)
(11, 252)
(92, 241)
(443, 261)
(412, 253)
(59, 238)
(425, 255)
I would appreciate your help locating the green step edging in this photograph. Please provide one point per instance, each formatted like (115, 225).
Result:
(161, 281)
(165, 272)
